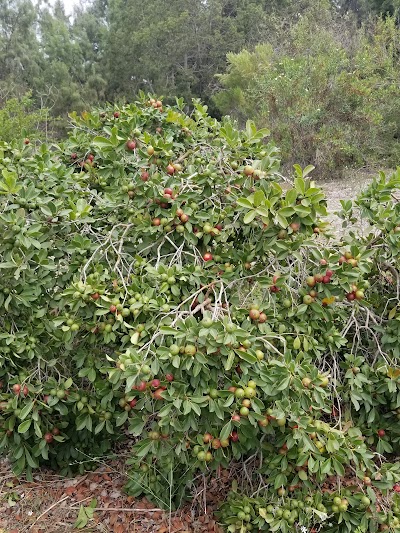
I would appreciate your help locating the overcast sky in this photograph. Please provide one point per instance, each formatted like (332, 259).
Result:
(69, 5)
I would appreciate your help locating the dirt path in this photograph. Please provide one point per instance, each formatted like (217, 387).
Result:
(345, 189)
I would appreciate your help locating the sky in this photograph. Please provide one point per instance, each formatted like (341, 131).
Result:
(69, 5)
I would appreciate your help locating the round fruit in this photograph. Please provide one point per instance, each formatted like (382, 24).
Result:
(234, 436)
(157, 395)
(201, 456)
(249, 392)
(131, 144)
(381, 432)
(262, 318)
(207, 257)
(190, 349)
(254, 314)
(174, 349)
(311, 281)
(48, 438)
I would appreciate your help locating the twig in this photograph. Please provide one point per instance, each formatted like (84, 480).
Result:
(49, 509)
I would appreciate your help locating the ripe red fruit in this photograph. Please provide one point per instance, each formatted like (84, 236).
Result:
(74, 155)
(216, 443)
(396, 487)
(16, 388)
(142, 386)
(157, 394)
(350, 296)
(234, 436)
(168, 190)
(48, 438)
(179, 212)
(95, 296)
(295, 226)
(144, 176)
(155, 383)
(169, 377)
(326, 279)
(262, 318)
(116, 114)
(219, 227)
(329, 273)
(26, 141)
(133, 402)
(46, 398)
(131, 145)
(381, 432)
(275, 278)
(323, 262)
(207, 437)
(207, 257)
(170, 169)
(319, 278)
(113, 309)
(25, 390)
(156, 222)
(342, 260)
(55, 431)
(90, 157)
(184, 218)
(274, 289)
(235, 418)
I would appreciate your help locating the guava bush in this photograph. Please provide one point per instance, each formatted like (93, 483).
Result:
(159, 282)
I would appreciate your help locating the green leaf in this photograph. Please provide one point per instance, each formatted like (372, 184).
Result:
(259, 198)
(226, 431)
(26, 410)
(250, 216)
(307, 170)
(166, 330)
(136, 426)
(244, 202)
(24, 426)
(248, 357)
(121, 418)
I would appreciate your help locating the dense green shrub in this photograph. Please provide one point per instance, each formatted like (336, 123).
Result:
(331, 100)
(158, 281)
(18, 118)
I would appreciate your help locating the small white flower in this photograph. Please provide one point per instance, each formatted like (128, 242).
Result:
(303, 529)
